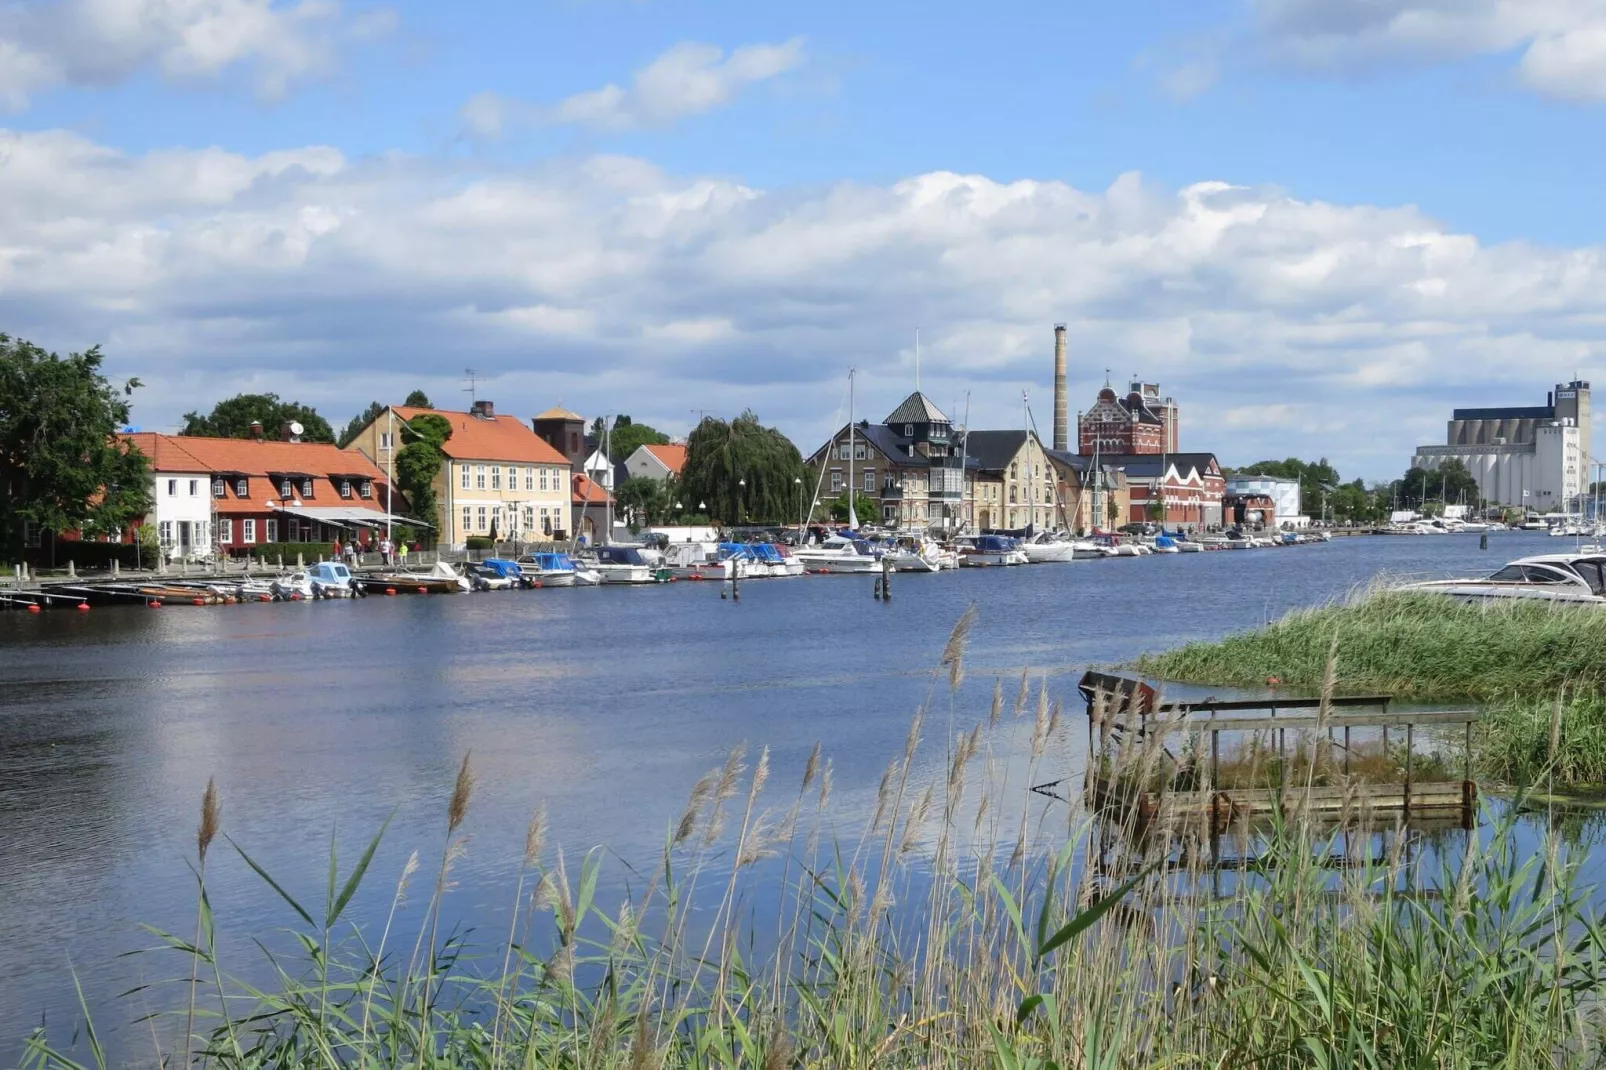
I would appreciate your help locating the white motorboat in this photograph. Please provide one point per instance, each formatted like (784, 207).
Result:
(916, 553)
(326, 579)
(552, 569)
(1548, 577)
(441, 579)
(705, 561)
(629, 564)
(1046, 547)
(980, 551)
(1086, 549)
(839, 554)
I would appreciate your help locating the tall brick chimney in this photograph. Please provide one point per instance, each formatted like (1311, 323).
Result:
(1062, 423)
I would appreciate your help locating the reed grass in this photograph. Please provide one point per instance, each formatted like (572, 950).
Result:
(1515, 657)
(944, 933)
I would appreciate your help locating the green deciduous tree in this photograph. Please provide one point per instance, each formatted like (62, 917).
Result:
(863, 505)
(232, 418)
(626, 438)
(720, 456)
(648, 500)
(1449, 484)
(358, 422)
(62, 468)
(418, 463)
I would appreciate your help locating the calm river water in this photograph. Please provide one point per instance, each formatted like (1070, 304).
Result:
(606, 703)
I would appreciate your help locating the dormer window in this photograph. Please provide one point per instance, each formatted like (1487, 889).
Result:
(219, 488)
(284, 488)
(345, 488)
(242, 487)
(306, 488)
(365, 489)
(908, 430)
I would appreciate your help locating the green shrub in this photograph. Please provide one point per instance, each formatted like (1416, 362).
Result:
(480, 542)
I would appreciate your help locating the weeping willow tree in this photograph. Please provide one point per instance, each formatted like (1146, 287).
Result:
(720, 456)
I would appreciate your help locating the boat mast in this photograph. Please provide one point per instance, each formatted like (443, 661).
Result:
(853, 517)
(964, 465)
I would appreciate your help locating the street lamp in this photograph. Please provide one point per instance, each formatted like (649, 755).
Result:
(740, 496)
(797, 481)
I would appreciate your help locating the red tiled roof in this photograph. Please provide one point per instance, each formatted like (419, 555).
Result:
(588, 491)
(502, 438)
(258, 460)
(673, 457)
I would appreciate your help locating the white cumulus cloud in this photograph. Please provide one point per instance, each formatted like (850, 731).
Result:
(689, 79)
(104, 42)
(1282, 325)
(1559, 45)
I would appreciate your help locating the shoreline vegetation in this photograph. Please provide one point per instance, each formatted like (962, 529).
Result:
(1537, 670)
(969, 924)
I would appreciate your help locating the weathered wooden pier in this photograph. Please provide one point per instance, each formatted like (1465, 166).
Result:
(1134, 771)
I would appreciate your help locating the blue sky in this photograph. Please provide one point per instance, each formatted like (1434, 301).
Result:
(1320, 223)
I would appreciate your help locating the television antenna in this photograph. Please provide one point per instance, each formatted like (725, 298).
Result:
(471, 377)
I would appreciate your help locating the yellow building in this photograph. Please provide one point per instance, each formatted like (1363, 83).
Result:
(498, 475)
(1010, 483)
(1094, 499)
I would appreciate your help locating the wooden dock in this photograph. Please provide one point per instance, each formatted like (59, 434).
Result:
(1127, 718)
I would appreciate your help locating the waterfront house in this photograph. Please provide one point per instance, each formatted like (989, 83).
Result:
(241, 495)
(1180, 489)
(656, 462)
(498, 476)
(1094, 496)
(909, 464)
(1014, 485)
(592, 508)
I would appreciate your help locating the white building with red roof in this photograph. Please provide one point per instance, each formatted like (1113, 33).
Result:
(656, 462)
(239, 495)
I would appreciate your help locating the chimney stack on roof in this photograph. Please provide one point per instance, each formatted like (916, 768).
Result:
(1062, 422)
(256, 430)
(485, 410)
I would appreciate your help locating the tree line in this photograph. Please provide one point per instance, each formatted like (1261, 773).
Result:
(1324, 494)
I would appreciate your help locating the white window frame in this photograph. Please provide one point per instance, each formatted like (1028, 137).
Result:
(195, 487)
(248, 531)
(479, 519)
(220, 489)
(836, 481)
(479, 477)
(306, 489)
(845, 453)
(496, 477)
(468, 516)
(242, 487)
(386, 441)
(285, 489)
(462, 472)
(529, 479)
(869, 480)
(164, 532)
(172, 488)
(365, 489)
(271, 529)
(225, 530)
(345, 489)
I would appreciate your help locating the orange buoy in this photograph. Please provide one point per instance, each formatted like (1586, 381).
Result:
(390, 590)
(198, 601)
(83, 607)
(295, 596)
(264, 598)
(1272, 681)
(423, 590)
(537, 583)
(33, 608)
(154, 604)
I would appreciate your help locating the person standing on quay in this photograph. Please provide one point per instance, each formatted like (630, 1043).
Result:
(384, 552)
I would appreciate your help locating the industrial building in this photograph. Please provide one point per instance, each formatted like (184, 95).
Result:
(1532, 457)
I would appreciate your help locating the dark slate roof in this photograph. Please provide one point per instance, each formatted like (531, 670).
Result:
(916, 409)
(1145, 465)
(993, 450)
(886, 440)
(1535, 412)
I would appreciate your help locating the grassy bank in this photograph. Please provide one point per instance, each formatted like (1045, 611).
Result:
(1525, 661)
(939, 937)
